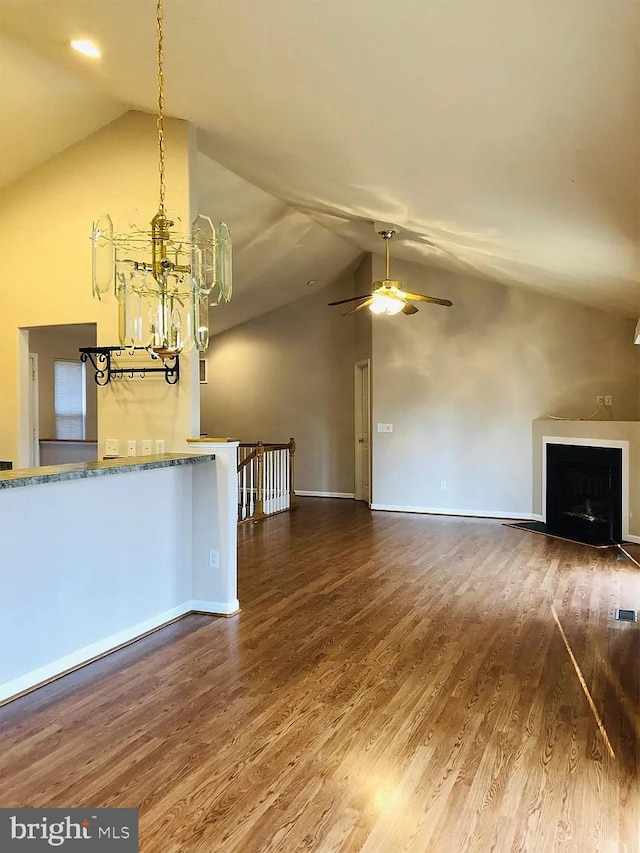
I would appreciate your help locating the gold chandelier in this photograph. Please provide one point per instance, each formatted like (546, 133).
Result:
(164, 279)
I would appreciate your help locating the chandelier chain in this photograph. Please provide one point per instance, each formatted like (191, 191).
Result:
(160, 120)
(163, 279)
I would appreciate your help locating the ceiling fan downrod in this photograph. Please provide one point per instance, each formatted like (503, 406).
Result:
(386, 236)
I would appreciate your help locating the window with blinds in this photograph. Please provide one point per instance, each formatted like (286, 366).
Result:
(70, 405)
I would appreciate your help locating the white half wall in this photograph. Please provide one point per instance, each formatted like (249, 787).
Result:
(215, 527)
(89, 564)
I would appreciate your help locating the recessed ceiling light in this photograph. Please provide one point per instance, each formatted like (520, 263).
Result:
(88, 48)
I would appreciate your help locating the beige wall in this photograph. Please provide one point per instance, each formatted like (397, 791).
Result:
(45, 227)
(62, 342)
(290, 373)
(462, 385)
(363, 320)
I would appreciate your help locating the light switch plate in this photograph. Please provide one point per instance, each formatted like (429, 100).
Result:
(160, 445)
(146, 447)
(385, 427)
(111, 447)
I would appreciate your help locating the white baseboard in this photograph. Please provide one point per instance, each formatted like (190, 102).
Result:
(631, 538)
(88, 653)
(466, 513)
(306, 494)
(216, 608)
(112, 643)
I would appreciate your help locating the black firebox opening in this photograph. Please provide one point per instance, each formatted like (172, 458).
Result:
(584, 493)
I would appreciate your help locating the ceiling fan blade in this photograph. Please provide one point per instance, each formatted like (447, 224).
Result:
(433, 299)
(351, 299)
(409, 308)
(358, 307)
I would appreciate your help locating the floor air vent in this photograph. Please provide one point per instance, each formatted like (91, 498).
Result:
(626, 615)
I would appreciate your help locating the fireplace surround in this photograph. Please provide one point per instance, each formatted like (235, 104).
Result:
(622, 434)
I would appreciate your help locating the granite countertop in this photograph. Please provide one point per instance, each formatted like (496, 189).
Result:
(83, 470)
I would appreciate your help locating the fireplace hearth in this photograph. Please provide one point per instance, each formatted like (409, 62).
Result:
(584, 493)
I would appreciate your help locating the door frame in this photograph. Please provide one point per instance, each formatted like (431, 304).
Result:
(34, 411)
(362, 367)
(24, 396)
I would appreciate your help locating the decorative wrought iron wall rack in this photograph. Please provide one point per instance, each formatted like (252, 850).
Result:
(101, 359)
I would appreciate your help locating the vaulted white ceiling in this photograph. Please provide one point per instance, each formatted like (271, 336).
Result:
(503, 137)
(279, 253)
(43, 109)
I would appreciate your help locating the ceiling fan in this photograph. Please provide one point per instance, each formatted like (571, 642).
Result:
(387, 296)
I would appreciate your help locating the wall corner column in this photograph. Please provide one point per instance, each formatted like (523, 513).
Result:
(215, 528)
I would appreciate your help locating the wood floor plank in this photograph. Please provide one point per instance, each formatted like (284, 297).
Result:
(392, 683)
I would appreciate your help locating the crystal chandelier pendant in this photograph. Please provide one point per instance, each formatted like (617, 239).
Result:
(203, 254)
(130, 306)
(223, 263)
(102, 258)
(164, 278)
(200, 323)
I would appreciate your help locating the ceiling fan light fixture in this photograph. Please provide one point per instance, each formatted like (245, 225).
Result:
(388, 296)
(383, 303)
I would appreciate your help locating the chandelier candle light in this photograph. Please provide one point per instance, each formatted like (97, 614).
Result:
(164, 279)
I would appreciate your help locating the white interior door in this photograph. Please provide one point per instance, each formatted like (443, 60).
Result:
(363, 433)
(34, 412)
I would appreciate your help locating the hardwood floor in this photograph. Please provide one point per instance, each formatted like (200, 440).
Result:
(393, 683)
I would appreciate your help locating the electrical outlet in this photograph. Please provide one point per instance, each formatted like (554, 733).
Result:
(608, 400)
(146, 447)
(599, 400)
(160, 445)
(214, 559)
(111, 447)
(131, 448)
(385, 427)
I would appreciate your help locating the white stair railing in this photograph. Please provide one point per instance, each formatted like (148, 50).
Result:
(265, 479)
